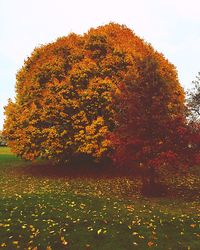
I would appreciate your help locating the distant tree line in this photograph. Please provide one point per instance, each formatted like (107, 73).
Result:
(193, 100)
(2, 139)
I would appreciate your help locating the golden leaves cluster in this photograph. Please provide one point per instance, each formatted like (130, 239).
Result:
(64, 92)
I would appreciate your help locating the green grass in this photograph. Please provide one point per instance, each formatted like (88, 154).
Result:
(44, 212)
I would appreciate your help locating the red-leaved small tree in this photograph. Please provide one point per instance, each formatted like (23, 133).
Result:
(151, 128)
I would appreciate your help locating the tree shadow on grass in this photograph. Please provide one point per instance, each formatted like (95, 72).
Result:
(86, 168)
(80, 166)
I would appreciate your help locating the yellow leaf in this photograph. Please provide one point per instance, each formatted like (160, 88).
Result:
(99, 231)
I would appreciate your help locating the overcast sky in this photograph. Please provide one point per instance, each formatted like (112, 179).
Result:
(171, 26)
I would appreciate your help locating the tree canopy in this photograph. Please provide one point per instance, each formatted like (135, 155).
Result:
(152, 130)
(65, 91)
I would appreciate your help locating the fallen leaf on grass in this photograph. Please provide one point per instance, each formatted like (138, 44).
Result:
(150, 243)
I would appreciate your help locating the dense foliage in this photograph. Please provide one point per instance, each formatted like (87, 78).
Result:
(152, 130)
(65, 91)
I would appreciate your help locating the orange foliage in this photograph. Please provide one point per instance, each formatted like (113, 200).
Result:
(64, 92)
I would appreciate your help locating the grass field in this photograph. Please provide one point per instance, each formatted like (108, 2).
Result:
(43, 211)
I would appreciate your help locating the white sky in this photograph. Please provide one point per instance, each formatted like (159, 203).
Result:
(171, 26)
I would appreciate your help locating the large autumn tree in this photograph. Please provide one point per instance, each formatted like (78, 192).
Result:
(151, 127)
(64, 92)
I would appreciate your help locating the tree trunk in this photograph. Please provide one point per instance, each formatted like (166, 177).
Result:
(151, 186)
(149, 182)
(152, 176)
